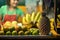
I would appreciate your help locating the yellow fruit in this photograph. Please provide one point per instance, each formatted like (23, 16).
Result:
(29, 26)
(14, 23)
(19, 19)
(38, 25)
(59, 16)
(39, 18)
(51, 23)
(24, 20)
(52, 27)
(7, 24)
(32, 16)
(58, 25)
(16, 28)
(57, 20)
(36, 17)
(2, 28)
(28, 18)
(52, 20)
(54, 32)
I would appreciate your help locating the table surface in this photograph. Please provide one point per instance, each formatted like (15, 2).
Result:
(26, 37)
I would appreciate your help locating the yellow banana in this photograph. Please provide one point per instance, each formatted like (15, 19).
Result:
(58, 24)
(52, 27)
(58, 20)
(51, 23)
(32, 16)
(24, 20)
(52, 19)
(2, 28)
(59, 16)
(28, 19)
(39, 18)
(36, 17)
(54, 33)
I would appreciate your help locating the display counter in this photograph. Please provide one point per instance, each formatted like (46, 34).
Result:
(28, 37)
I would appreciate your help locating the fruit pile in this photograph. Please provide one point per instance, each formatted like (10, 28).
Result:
(20, 31)
(31, 20)
(29, 26)
(12, 28)
(34, 17)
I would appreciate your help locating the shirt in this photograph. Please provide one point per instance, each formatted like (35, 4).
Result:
(4, 10)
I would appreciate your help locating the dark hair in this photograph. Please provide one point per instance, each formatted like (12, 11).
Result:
(8, 2)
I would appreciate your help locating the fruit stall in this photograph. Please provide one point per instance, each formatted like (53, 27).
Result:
(35, 25)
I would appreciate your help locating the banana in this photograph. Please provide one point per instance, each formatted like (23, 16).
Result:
(36, 17)
(57, 20)
(54, 33)
(59, 15)
(52, 20)
(52, 27)
(2, 28)
(39, 19)
(24, 20)
(51, 23)
(58, 24)
(32, 16)
(28, 19)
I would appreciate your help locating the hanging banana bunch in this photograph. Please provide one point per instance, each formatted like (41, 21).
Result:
(39, 19)
(28, 18)
(37, 16)
(24, 20)
(32, 16)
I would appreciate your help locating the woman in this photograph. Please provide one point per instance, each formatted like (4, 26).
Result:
(10, 12)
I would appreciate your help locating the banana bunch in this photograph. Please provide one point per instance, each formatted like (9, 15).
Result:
(51, 23)
(34, 17)
(58, 21)
(37, 17)
(28, 18)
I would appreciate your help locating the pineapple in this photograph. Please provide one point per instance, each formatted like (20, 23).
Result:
(44, 25)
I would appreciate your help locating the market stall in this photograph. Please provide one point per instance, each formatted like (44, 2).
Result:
(37, 23)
